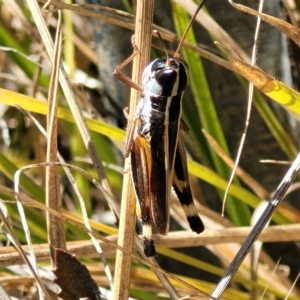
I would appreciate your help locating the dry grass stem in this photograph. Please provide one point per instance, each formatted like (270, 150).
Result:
(142, 40)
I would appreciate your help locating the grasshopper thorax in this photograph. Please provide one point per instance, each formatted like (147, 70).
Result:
(165, 76)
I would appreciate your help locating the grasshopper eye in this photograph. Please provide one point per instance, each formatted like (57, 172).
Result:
(166, 78)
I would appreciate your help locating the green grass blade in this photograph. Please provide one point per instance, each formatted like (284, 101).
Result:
(18, 55)
(238, 212)
(33, 105)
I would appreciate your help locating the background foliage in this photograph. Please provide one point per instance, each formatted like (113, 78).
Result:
(216, 101)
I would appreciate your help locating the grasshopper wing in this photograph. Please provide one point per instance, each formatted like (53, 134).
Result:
(140, 169)
(182, 189)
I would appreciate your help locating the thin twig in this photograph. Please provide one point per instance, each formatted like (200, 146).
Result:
(249, 108)
(55, 227)
(257, 229)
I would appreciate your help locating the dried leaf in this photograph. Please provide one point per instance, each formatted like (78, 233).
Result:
(289, 30)
(74, 278)
(276, 90)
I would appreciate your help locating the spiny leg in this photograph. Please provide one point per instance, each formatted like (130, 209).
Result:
(117, 72)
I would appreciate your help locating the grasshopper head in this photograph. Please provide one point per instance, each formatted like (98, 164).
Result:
(166, 76)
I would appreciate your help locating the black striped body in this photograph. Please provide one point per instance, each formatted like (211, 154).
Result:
(158, 159)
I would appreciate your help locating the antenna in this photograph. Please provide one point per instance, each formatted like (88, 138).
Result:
(188, 27)
(162, 44)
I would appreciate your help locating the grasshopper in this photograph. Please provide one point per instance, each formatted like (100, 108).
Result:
(158, 159)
